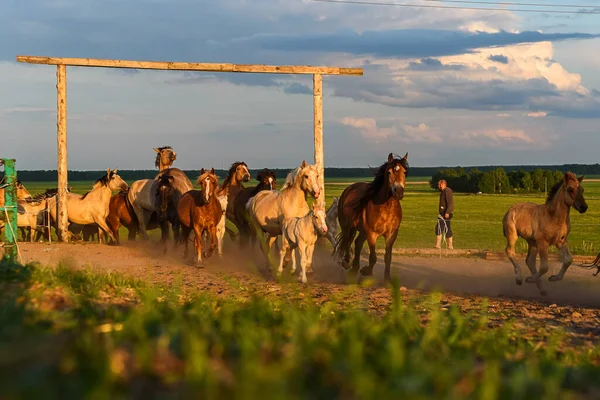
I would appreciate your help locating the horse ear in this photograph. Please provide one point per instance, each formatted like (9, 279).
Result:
(580, 178)
(171, 178)
(212, 171)
(405, 156)
(156, 150)
(115, 170)
(274, 172)
(566, 176)
(303, 163)
(108, 171)
(335, 198)
(390, 157)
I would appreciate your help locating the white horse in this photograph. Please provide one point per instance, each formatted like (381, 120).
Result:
(93, 206)
(148, 196)
(302, 233)
(268, 208)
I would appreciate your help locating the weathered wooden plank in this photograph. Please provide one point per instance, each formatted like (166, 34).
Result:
(61, 139)
(318, 132)
(186, 66)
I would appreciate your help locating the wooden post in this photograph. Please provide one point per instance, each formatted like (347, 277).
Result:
(10, 210)
(61, 138)
(318, 132)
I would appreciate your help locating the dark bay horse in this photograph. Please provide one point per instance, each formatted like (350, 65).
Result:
(267, 180)
(200, 211)
(372, 209)
(544, 225)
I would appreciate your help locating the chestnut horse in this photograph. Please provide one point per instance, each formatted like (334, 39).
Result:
(372, 209)
(121, 213)
(267, 180)
(544, 225)
(200, 211)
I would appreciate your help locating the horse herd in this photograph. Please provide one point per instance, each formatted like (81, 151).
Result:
(364, 211)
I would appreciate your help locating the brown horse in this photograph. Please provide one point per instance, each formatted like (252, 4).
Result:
(267, 180)
(200, 211)
(121, 213)
(372, 209)
(544, 225)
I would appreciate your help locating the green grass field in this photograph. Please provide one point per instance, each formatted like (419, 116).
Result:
(78, 334)
(477, 222)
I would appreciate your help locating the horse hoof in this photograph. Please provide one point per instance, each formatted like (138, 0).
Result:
(366, 272)
(519, 281)
(555, 278)
(530, 279)
(200, 264)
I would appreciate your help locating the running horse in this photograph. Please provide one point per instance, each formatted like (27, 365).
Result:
(268, 209)
(165, 156)
(544, 225)
(226, 193)
(372, 209)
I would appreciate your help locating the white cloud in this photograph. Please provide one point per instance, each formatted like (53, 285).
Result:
(537, 114)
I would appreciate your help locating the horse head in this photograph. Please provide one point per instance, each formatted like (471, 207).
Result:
(22, 192)
(209, 183)
(114, 181)
(242, 174)
(573, 195)
(165, 156)
(397, 170)
(267, 179)
(309, 173)
(319, 218)
(164, 191)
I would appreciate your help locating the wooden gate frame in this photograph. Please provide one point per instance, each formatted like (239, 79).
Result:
(61, 87)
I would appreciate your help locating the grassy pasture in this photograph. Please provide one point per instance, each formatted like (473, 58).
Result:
(100, 335)
(477, 222)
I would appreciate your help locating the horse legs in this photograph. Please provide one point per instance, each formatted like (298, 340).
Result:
(164, 230)
(389, 244)
(213, 241)
(371, 240)
(537, 277)
(185, 234)
(102, 224)
(306, 256)
(358, 244)
(530, 261)
(140, 213)
(221, 234)
(510, 233)
(198, 245)
(567, 259)
(114, 223)
(283, 255)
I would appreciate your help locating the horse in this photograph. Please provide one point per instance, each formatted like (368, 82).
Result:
(302, 233)
(146, 197)
(31, 215)
(544, 225)
(267, 180)
(22, 194)
(226, 193)
(164, 160)
(332, 221)
(121, 213)
(372, 209)
(200, 211)
(92, 207)
(269, 208)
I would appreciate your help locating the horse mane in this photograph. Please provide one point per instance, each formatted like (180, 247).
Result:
(157, 160)
(103, 180)
(3, 181)
(379, 181)
(292, 176)
(231, 172)
(556, 187)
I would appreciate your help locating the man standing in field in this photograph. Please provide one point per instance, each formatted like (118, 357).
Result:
(445, 210)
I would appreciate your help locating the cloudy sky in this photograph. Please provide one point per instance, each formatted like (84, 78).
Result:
(450, 86)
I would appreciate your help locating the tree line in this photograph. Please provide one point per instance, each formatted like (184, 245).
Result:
(330, 172)
(497, 180)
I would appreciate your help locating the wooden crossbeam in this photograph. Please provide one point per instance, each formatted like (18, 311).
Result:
(185, 66)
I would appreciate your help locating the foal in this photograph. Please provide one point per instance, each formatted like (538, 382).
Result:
(200, 211)
(302, 233)
(544, 225)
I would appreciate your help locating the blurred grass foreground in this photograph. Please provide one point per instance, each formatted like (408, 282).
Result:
(68, 333)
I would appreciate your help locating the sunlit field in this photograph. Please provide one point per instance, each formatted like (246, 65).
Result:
(477, 222)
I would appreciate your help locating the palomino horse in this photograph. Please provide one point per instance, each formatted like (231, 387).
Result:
(121, 213)
(200, 211)
(267, 180)
(302, 233)
(372, 209)
(148, 196)
(32, 217)
(181, 184)
(22, 194)
(269, 208)
(544, 225)
(92, 207)
(226, 193)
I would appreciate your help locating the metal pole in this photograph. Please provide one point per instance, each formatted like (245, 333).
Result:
(10, 210)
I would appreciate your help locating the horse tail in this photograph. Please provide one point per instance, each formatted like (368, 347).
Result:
(594, 264)
(343, 241)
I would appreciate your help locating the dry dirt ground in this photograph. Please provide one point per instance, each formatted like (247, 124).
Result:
(573, 303)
